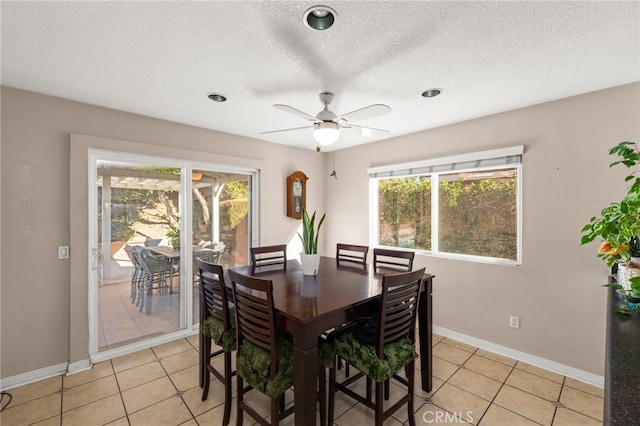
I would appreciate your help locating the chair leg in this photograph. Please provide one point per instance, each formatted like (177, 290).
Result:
(332, 392)
(276, 403)
(379, 407)
(322, 397)
(227, 388)
(240, 386)
(204, 366)
(411, 379)
(386, 390)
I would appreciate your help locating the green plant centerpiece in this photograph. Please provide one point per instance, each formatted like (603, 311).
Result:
(174, 235)
(618, 225)
(309, 257)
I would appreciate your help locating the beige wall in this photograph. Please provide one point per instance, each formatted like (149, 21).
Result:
(556, 292)
(35, 286)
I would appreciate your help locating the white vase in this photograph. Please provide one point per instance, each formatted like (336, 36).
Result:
(310, 263)
(628, 270)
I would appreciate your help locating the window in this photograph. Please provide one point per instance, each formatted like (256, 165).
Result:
(465, 206)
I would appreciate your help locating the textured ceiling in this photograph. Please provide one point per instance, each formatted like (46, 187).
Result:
(160, 59)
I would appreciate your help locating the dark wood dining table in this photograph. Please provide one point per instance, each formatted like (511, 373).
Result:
(307, 306)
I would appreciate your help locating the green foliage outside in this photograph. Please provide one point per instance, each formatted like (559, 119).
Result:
(405, 212)
(125, 209)
(128, 204)
(234, 203)
(477, 216)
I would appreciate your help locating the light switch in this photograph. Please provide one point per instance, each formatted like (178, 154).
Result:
(63, 252)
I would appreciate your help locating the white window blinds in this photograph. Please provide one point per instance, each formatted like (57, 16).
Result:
(482, 159)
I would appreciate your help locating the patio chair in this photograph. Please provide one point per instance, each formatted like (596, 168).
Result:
(138, 273)
(155, 272)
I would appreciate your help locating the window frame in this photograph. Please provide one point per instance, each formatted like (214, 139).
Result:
(498, 159)
(188, 324)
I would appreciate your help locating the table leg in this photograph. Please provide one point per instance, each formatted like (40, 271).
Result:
(425, 325)
(305, 379)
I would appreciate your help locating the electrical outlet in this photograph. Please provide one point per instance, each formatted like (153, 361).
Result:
(63, 252)
(514, 322)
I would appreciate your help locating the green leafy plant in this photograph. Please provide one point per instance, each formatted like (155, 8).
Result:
(174, 235)
(310, 232)
(619, 226)
(619, 223)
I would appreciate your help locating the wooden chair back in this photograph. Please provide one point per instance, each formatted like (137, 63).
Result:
(255, 314)
(352, 253)
(393, 259)
(398, 308)
(269, 256)
(214, 297)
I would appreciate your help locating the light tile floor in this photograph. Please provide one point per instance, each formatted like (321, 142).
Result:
(159, 386)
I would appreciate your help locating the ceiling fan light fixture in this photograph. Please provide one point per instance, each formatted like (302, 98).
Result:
(326, 132)
(319, 17)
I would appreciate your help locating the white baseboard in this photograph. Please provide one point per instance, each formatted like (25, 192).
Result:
(78, 366)
(86, 364)
(564, 370)
(33, 376)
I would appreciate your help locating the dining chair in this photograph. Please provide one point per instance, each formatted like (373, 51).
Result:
(393, 350)
(393, 259)
(269, 256)
(217, 325)
(352, 253)
(264, 355)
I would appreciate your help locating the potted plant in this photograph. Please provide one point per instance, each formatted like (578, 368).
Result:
(174, 235)
(309, 257)
(618, 224)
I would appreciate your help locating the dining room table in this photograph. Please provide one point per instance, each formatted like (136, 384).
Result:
(309, 305)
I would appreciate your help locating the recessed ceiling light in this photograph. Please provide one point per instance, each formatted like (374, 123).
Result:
(217, 97)
(319, 17)
(430, 93)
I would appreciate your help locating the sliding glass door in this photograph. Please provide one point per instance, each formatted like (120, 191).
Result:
(152, 218)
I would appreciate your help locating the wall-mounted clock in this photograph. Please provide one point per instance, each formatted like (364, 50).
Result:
(296, 194)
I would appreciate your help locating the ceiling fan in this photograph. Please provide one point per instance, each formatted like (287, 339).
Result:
(327, 125)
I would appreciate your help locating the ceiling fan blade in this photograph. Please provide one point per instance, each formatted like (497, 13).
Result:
(286, 130)
(366, 112)
(295, 111)
(366, 131)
